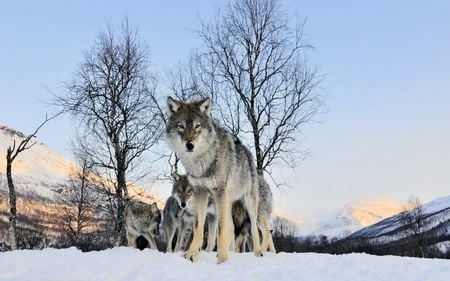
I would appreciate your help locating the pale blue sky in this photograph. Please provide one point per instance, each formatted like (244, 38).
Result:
(387, 66)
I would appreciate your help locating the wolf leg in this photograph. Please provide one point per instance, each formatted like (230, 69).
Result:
(231, 235)
(271, 245)
(180, 237)
(151, 241)
(201, 201)
(239, 243)
(248, 243)
(251, 204)
(224, 214)
(131, 239)
(212, 233)
(265, 231)
(168, 234)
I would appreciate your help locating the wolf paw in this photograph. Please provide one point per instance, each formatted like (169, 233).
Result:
(191, 255)
(222, 257)
(210, 248)
(258, 253)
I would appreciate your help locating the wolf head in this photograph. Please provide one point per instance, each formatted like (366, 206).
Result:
(182, 191)
(146, 217)
(189, 128)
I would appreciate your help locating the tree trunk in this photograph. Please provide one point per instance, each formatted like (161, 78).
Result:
(119, 219)
(259, 158)
(12, 202)
(121, 203)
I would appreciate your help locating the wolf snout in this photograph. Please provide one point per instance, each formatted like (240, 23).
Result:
(183, 205)
(189, 146)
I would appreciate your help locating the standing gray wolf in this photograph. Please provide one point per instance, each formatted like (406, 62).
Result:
(179, 214)
(242, 222)
(215, 165)
(142, 219)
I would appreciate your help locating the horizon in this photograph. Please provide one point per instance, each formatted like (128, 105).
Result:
(386, 66)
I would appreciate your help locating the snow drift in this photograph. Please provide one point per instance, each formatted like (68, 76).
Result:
(131, 264)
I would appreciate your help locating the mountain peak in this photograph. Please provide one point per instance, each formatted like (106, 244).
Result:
(356, 215)
(436, 219)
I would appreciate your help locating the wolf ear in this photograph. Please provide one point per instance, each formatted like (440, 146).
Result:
(205, 107)
(172, 106)
(154, 207)
(175, 176)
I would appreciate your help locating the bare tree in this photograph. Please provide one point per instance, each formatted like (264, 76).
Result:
(113, 96)
(413, 220)
(11, 153)
(79, 198)
(283, 227)
(257, 68)
(284, 234)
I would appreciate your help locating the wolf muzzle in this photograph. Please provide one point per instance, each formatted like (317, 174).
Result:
(189, 146)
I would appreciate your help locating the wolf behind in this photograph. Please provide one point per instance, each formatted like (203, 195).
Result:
(176, 217)
(242, 222)
(172, 225)
(142, 219)
(179, 213)
(216, 165)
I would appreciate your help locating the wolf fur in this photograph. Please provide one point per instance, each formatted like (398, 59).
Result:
(216, 165)
(242, 223)
(179, 214)
(142, 219)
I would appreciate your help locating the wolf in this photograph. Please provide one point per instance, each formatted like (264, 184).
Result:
(179, 214)
(242, 222)
(216, 166)
(142, 219)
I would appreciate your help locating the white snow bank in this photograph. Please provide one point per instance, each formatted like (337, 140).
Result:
(131, 264)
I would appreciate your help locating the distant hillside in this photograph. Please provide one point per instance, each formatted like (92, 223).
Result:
(38, 174)
(39, 171)
(354, 216)
(436, 218)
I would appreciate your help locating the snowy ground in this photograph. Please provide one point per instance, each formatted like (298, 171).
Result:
(131, 264)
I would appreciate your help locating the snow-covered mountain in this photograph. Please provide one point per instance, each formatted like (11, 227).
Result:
(36, 171)
(39, 172)
(436, 216)
(354, 216)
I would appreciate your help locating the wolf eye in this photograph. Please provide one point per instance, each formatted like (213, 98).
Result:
(189, 192)
(181, 126)
(198, 126)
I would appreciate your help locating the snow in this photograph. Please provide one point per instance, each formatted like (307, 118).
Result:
(130, 264)
(437, 205)
(443, 247)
